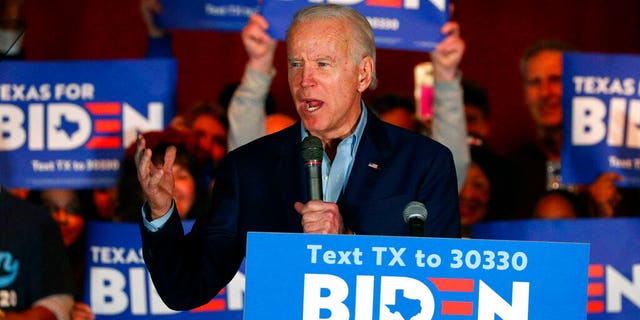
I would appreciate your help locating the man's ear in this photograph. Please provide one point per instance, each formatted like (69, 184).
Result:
(365, 73)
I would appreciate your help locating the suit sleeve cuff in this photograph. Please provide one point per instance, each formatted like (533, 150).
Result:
(156, 224)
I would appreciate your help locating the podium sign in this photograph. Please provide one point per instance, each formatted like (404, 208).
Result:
(304, 276)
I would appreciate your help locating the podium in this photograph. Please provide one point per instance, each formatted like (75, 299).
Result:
(309, 277)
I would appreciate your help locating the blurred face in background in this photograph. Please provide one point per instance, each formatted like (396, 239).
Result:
(211, 136)
(184, 189)
(400, 117)
(106, 201)
(474, 196)
(477, 122)
(65, 207)
(554, 206)
(543, 88)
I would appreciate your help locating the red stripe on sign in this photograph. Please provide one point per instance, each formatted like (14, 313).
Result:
(595, 289)
(385, 3)
(456, 308)
(104, 143)
(596, 271)
(595, 307)
(103, 108)
(453, 285)
(107, 126)
(213, 305)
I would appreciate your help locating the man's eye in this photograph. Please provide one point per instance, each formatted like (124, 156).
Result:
(294, 64)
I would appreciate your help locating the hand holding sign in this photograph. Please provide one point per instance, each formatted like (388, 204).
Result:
(260, 47)
(605, 194)
(448, 53)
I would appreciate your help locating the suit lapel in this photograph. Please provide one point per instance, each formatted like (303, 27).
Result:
(290, 169)
(370, 162)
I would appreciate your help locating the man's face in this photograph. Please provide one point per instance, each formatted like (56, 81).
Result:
(543, 88)
(325, 82)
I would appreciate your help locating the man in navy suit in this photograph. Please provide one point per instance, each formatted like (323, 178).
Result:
(371, 170)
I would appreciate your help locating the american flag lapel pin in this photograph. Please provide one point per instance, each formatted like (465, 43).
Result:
(374, 166)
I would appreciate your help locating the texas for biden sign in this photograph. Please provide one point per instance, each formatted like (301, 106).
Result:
(601, 104)
(66, 124)
(303, 276)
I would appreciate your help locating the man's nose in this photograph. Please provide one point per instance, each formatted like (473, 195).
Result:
(308, 77)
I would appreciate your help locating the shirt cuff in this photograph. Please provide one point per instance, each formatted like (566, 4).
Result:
(156, 224)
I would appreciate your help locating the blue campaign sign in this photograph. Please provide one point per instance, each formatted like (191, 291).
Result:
(397, 24)
(67, 124)
(118, 286)
(223, 15)
(614, 278)
(602, 117)
(304, 276)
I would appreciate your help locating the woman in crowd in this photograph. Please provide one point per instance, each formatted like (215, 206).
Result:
(484, 196)
(71, 209)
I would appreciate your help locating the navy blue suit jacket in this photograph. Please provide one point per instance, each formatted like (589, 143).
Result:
(258, 184)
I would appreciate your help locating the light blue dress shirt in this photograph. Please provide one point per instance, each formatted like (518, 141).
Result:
(335, 174)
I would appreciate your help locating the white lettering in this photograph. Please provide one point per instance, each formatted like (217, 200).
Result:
(235, 292)
(12, 134)
(491, 304)
(133, 122)
(107, 291)
(314, 299)
(619, 286)
(588, 126)
(113, 255)
(74, 91)
(604, 85)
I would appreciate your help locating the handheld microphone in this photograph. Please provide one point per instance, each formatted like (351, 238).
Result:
(312, 155)
(414, 215)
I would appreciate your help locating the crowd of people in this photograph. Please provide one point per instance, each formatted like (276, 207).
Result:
(213, 165)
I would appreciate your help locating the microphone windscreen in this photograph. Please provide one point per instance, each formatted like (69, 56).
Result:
(312, 149)
(414, 209)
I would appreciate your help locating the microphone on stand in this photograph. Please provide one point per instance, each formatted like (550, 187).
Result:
(414, 215)
(312, 155)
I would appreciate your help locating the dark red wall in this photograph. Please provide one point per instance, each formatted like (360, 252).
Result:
(496, 31)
